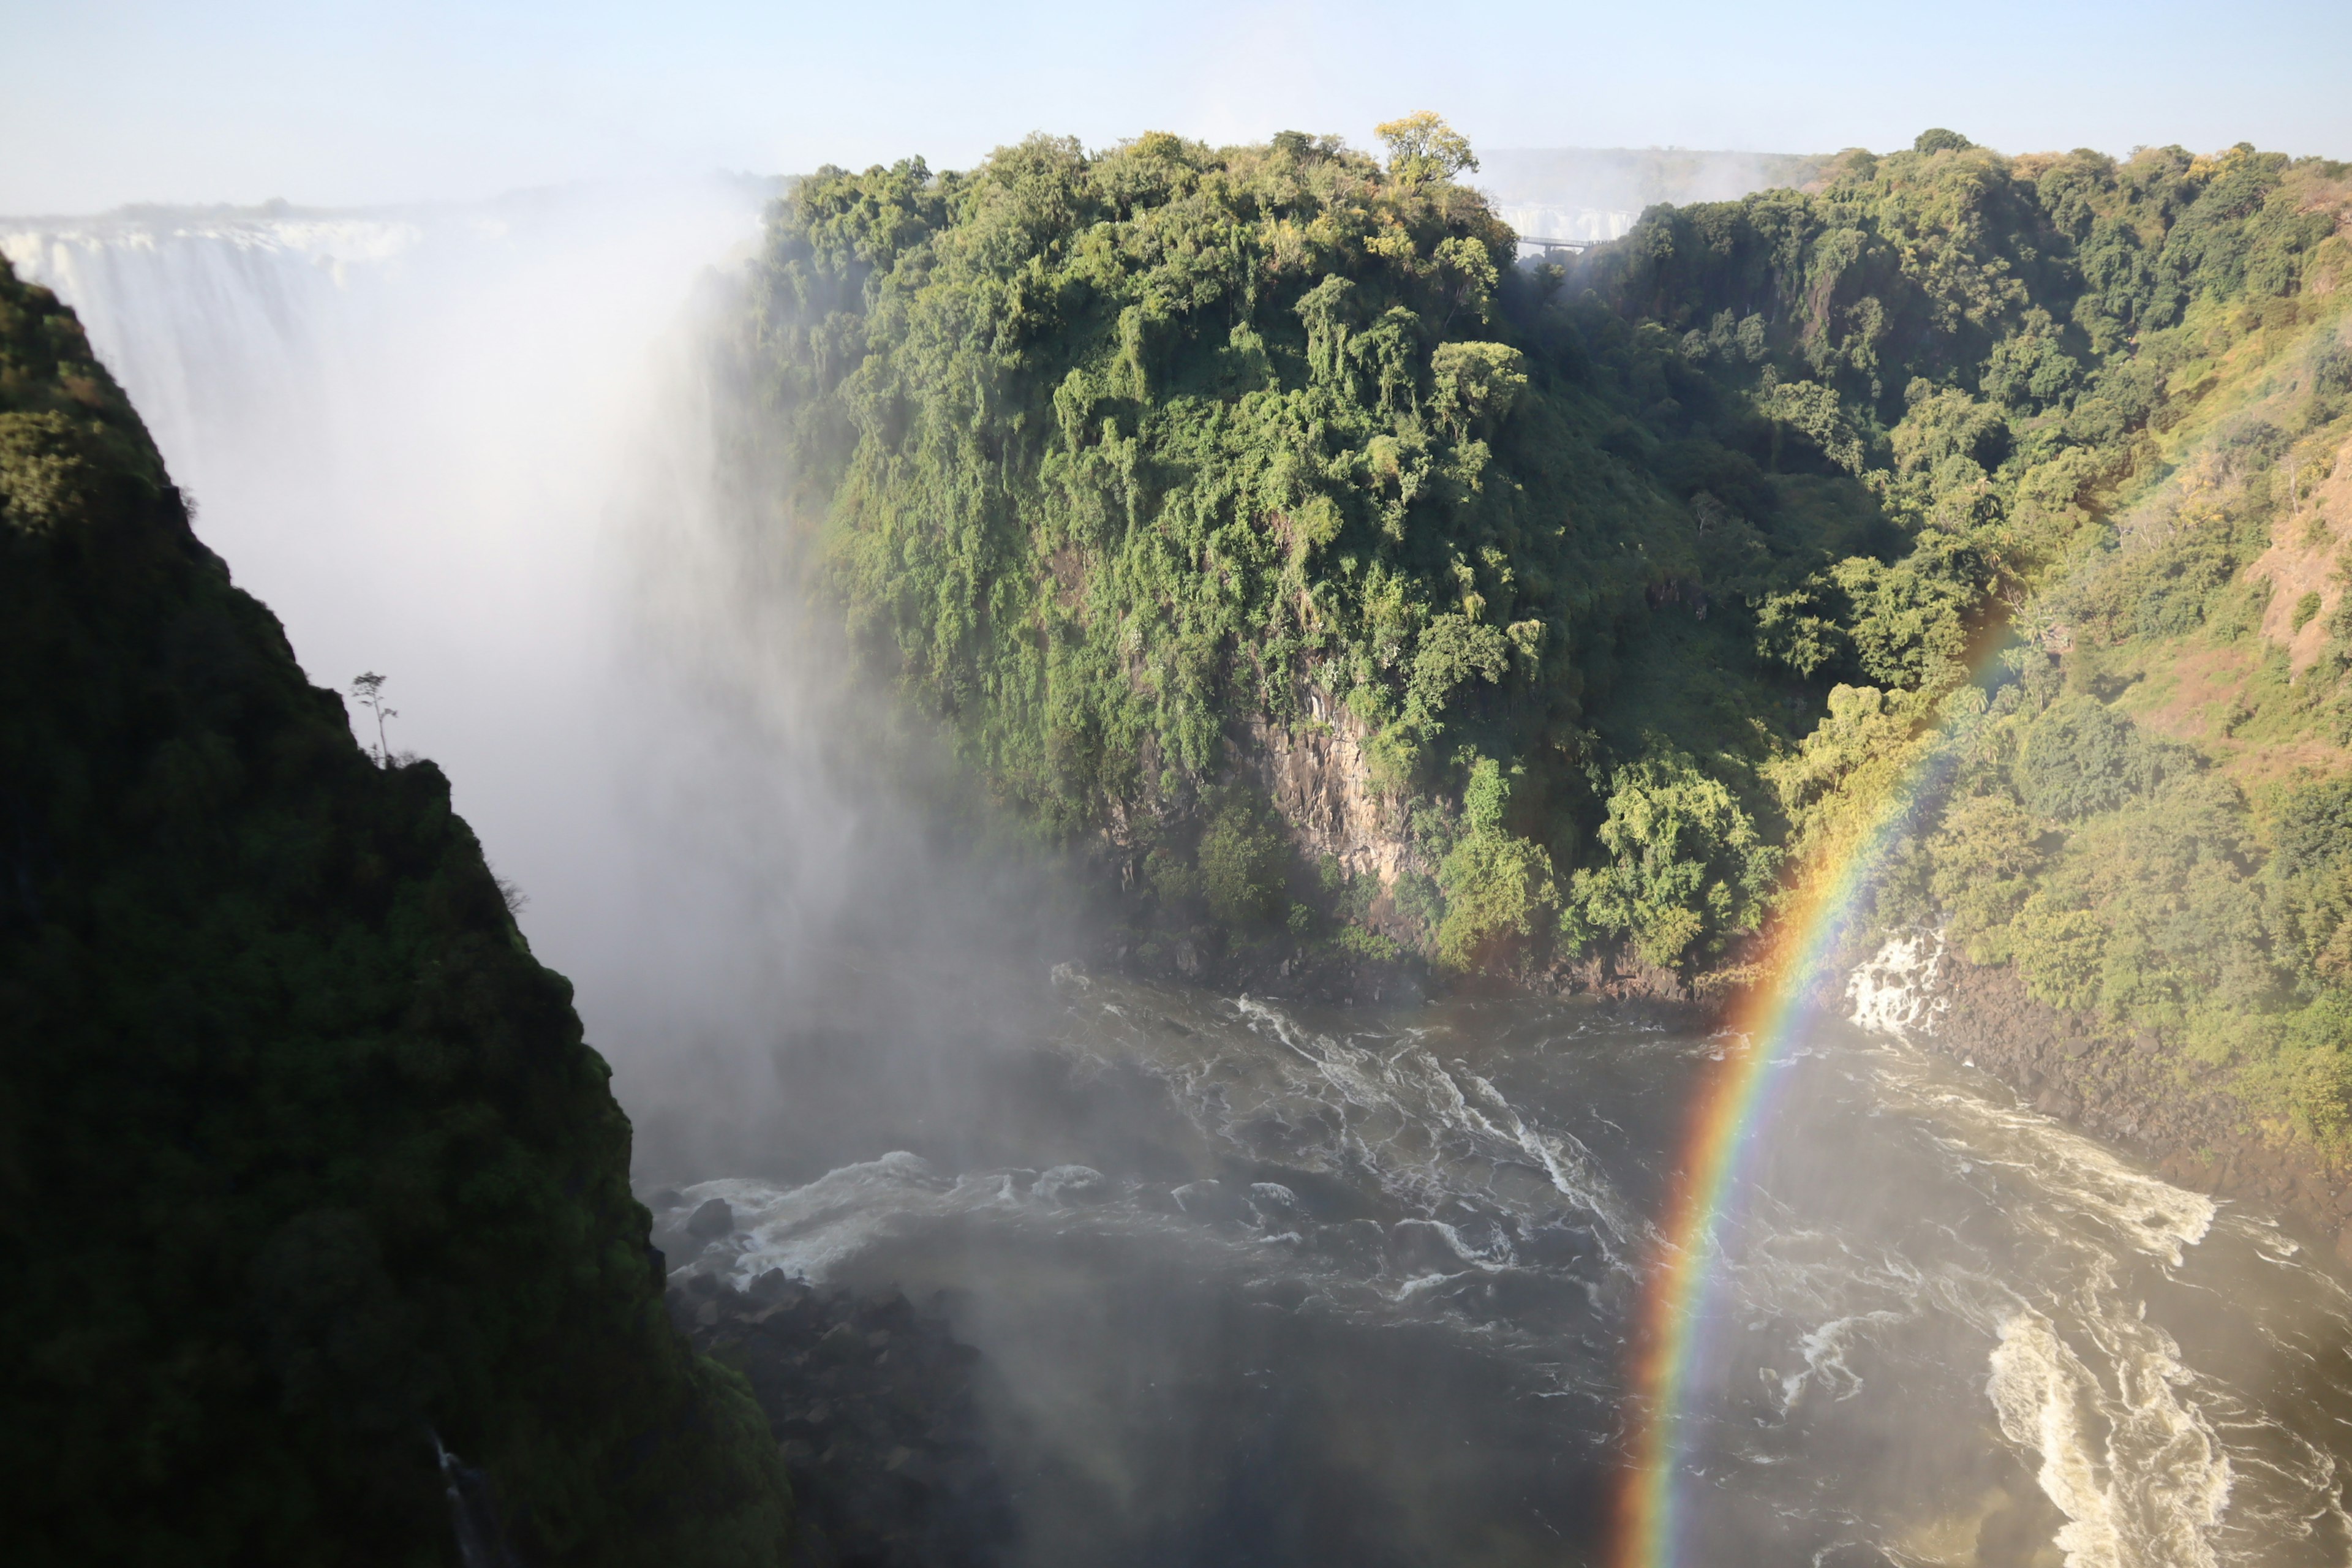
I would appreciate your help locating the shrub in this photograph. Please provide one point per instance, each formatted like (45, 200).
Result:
(2082, 756)
(1242, 859)
(1684, 859)
(1500, 897)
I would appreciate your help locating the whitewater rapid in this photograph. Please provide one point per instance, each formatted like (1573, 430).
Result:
(1946, 1329)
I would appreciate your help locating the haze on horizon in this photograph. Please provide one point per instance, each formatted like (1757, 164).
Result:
(131, 100)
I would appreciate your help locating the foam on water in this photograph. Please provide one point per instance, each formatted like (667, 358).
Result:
(1402, 1113)
(2023, 1303)
(2135, 1468)
(2126, 1434)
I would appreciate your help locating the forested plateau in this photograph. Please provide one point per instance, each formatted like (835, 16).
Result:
(1358, 594)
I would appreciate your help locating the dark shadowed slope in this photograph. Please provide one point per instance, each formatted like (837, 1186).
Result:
(303, 1156)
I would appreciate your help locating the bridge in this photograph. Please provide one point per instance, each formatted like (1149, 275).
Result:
(1542, 244)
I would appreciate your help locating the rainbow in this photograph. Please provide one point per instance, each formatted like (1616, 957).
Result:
(1725, 1120)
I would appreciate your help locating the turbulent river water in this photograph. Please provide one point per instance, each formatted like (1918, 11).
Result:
(1264, 1283)
(1253, 1282)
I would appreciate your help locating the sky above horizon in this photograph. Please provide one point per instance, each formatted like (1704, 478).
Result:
(113, 101)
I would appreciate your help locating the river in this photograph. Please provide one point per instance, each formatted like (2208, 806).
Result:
(1264, 1283)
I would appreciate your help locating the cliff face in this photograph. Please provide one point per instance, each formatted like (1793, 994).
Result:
(303, 1159)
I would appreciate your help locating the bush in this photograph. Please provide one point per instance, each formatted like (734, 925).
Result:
(1500, 897)
(1685, 859)
(2082, 756)
(1985, 859)
(1243, 859)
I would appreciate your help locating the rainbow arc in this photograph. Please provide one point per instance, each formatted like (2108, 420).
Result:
(1726, 1122)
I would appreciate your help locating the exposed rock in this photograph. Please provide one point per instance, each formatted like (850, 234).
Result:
(1320, 781)
(711, 1221)
(870, 1400)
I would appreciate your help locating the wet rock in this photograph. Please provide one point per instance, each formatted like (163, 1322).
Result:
(870, 1400)
(2171, 1109)
(711, 1221)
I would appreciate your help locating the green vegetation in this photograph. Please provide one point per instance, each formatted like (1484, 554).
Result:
(302, 1157)
(1636, 586)
(2136, 793)
(1112, 453)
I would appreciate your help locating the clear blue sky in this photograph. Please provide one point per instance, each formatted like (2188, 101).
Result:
(116, 100)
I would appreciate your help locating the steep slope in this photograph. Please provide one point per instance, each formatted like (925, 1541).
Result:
(1250, 513)
(1190, 482)
(303, 1161)
(2109, 401)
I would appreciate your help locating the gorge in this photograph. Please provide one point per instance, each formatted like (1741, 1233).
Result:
(1174, 754)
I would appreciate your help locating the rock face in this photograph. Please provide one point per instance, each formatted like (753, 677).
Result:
(306, 1169)
(1322, 783)
(870, 1400)
(2130, 1092)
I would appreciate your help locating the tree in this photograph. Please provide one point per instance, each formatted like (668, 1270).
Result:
(1241, 860)
(1423, 147)
(1685, 861)
(369, 689)
(1500, 891)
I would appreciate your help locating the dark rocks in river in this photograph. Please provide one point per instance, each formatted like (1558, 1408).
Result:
(871, 1401)
(711, 1221)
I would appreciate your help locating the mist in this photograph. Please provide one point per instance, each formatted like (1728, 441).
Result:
(1592, 194)
(477, 449)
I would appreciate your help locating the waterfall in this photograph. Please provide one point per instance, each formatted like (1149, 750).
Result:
(473, 1516)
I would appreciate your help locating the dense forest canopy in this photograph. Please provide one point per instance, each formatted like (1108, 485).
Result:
(1630, 583)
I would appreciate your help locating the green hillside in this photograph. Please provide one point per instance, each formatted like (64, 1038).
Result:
(1248, 513)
